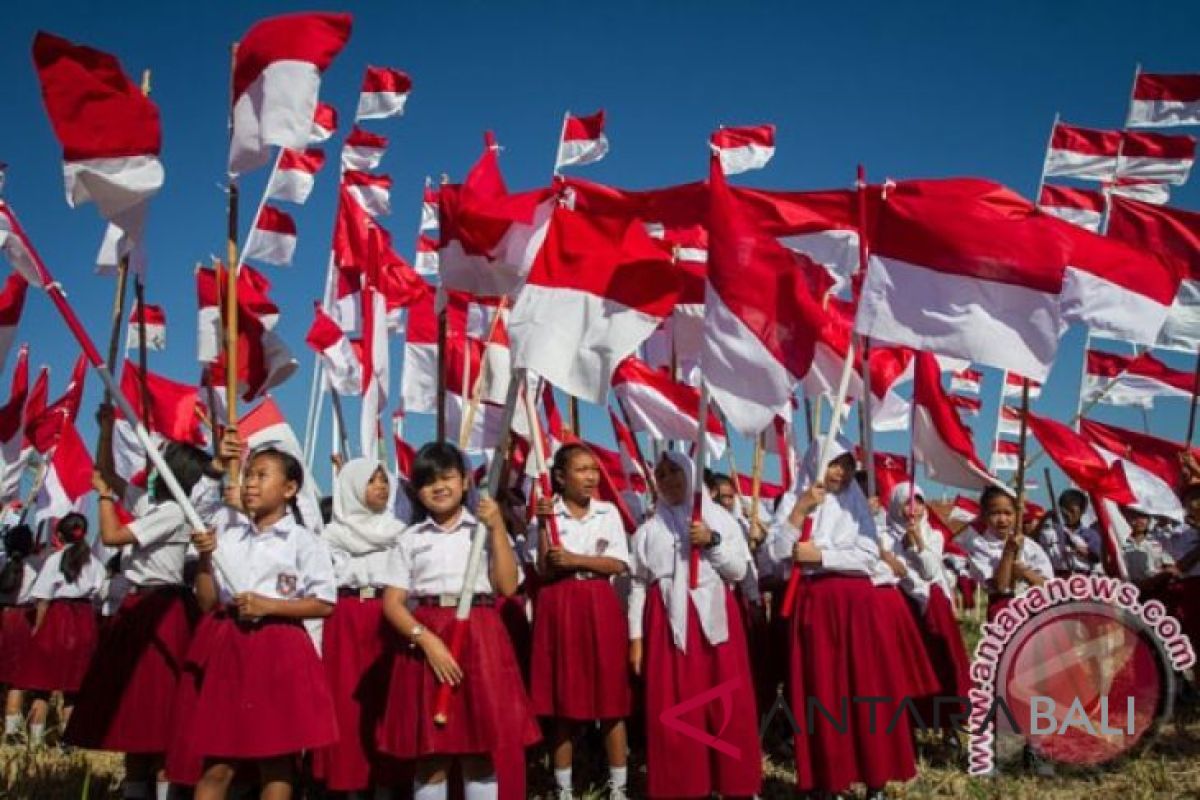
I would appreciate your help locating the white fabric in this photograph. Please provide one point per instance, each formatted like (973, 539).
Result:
(24, 594)
(1181, 331)
(740, 159)
(1083, 217)
(379, 105)
(432, 560)
(276, 109)
(1183, 542)
(925, 569)
(1163, 113)
(598, 533)
(273, 247)
(1154, 495)
(162, 536)
(355, 529)
(291, 185)
(1110, 310)
(51, 584)
(984, 551)
(577, 152)
(660, 554)
(285, 562)
(1062, 545)
(1084, 166)
(651, 412)
(503, 271)
(120, 187)
(835, 250)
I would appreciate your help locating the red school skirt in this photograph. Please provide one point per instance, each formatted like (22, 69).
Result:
(843, 646)
(677, 765)
(948, 655)
(249, 691)
(580, 651)
(16, 629)
(489, 711)
(58, 654)
(1182, 599)
(966, 589)
(125, 700)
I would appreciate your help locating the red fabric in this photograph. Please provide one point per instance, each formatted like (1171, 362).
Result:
(385, 79)
(1090, 141)
(1179, 88)
(12, 413)
(580, 668)
(489, 711)
(1070, 197)
(1160, 456)
(59, 653)
(584, 128)
(125, 701)
(966, 588)
(16, 631)
(1112, 365)
(1171, 232)
(763, 135)
(315, 38)
(678, 765)
(173, 408)
(1086, 468)
(948, 655)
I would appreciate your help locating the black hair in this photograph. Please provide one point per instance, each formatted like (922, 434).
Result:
(430, 461)
(187, 462)
(293, 471)
(1073, 497)
(561, 459)
(326, 506)
(76, 554)
(18, 544)
(1189, 493)
(713, 480)
(991, 493)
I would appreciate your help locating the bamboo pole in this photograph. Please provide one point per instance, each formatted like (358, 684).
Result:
(233, 470)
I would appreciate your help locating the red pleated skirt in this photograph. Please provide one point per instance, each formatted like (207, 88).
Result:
(489, 711)
(520, 631)
(249, 691)
(966, 589)
(16, 629)
(844, 646)
(948, 655)
(996, 604)
(580, 652)
(357, 666)
(1182, 599)
(125, 701)
(58, 654)
(682, 765)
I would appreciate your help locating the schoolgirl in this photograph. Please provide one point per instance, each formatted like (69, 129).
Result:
(16, 619)
(1001, 557)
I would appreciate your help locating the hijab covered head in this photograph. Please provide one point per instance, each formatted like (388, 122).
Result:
(355, 528)
(897, 509)
(848, 506)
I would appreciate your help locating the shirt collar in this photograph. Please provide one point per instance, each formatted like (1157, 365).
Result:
(282, 527)
(595, 508)
(466, 519)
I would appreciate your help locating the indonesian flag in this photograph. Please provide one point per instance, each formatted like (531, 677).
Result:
(384, 93)
(598, 287)
(890, 471)
(761, 320)
(426, 259)
(971, 406)
(1014, 386)
(156, 328)
(1009, 422)
(12, 302)
(966, 380)
(273, 238)
(615, 486)
(329, 341)
(429, 210)
(109, 130)
(1162, 101)
(376, 374)
(68, 478)
(1146, 191)
(276, 78)
(1154, 495)
(363, 150)
(583, 141)
(405, 454)
(1156, 157)
(635, 470)
(266, 426)
(681, 336)
(372, 192)
(13, 452)
(1081, 461)
(766, 490)
(1006, 457)
(1133, 380)
(18, 249)
(832, 346)
(986, 264)
(1082, 207)
(1158, 456)
(663, 408)
(293, 180)
(940, 440)
(964, 510)
(889, 368)
(742, 149)
(117, 245)
(35, 408)
(173, 414)
(324, 124)
(1084, 153)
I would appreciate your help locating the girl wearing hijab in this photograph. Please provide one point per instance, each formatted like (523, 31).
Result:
(361, 536)
(685, 642)
(847, 637)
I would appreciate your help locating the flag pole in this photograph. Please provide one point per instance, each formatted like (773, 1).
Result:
(755, 477)
(637, 448)
(698, 482)
(118, 316)
(1021, 445)
(339, 419)
(562, 134)
(231, 277)
(1191, 429)
(442, 336)
(867, 433)
(549, 522)
(464, 432)
(476, 391)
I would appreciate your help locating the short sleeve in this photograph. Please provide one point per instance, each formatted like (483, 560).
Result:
(160, 523)
(316, 565)
(46, 581)
(618, 540)
(398, 571)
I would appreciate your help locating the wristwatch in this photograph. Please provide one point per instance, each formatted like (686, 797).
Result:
(714, 542)
(415, 632)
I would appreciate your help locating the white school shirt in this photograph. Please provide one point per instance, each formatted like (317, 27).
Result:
(1146, 558)
(1183, 542)
(431, 560)
(51, 584)
(985, 550)
(924, 567)
(285, 562)
(361, 572)
(844, 548)
(598, 533)
(163, 535)
(24, 594)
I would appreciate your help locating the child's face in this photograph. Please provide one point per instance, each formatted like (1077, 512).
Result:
(725, 495)
(1072, 513)
(265, 486)
(378, 490)
(444, 494)
(1001, 515)
(839, 473)
(1139, 523)
(580, 477)
(672, 482)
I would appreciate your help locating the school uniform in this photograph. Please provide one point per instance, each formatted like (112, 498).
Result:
(693, 641)
(1183, 595)
(489, 711)
(255, 689)
(984, 551)
(580, 668)
(1145, 558)
(17, 614)
(59, 652)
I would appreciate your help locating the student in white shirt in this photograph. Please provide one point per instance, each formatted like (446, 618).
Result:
(685, 641)
(1002, 558)
(1148, 562)
(361, 537)
(255, 691)
(1075, 546)
(488, 710)
(16, 619)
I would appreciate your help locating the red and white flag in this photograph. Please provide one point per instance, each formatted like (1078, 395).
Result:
(632, 465)
(324, 124)
(964, 510)
(342, 367)
(155, 321)
(1009, 422)
(890, 367)
(1163, 101)
(272, 239)
(13, 451)
(1006, 457)
(583, 141)
(597, 289)
(1159, 456)
(761, 320)
(426, 260)
(12, 303)
(1084, 153)
(68, 478)
(940, 440)
(1156, 157)
(681, 337)
(170, 411)
(966, 380)
(363, 150)
(429, 209)
(266, 426)
(293, 179)
(1014, 386)
(1082, 207)
(1081, 461)
(1146, 191)
(663, 408)
(17, 248)
(1133, 380)
(117, 245)
(405, 454)
(744, 148)
(384, 93)
(971, 406)
(276, 78)
(376, 372)
(109, 130)
(373, 192)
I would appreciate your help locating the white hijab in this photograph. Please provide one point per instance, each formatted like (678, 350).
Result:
(847, 509)
(897, 519)
(356, 529)
(709, 596)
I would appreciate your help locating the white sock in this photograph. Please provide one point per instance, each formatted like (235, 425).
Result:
(429, 791)
(37, 732)
(562, 778)
(482, 788)
(134, 790)
(162, 790)
(618, 776)
(12, 724)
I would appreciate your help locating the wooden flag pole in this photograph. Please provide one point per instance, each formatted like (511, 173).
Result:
(139, 291)
(1021, 444)
(755, 482)
(442, 335)
(233, 470)
(464, 432)
(118, 316)
(573, 415)
(1191, 429)
(698, 482)
(343, 443)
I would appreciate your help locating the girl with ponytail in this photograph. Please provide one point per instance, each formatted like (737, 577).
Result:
(16, 618)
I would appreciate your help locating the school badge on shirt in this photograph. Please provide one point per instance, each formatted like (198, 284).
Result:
(601, 546)
(285, 584)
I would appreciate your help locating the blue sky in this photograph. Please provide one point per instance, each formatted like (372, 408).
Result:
(909, 89)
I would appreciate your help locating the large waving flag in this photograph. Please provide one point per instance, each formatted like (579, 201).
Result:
(12, 303)
(1133, 380)
(1161, 101)
(12, 429)
(664, 408)
(743, 148)
(940, 440)
(1159, 456)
